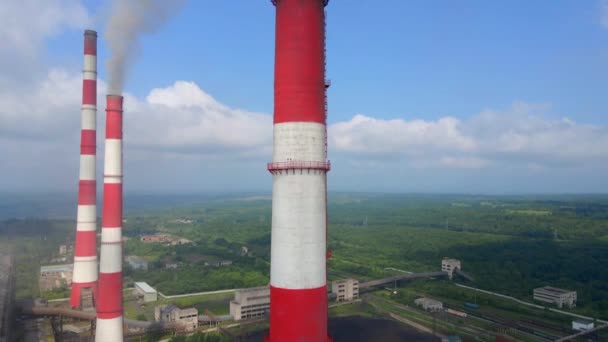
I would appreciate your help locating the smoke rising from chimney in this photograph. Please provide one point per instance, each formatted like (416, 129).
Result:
(128, 20)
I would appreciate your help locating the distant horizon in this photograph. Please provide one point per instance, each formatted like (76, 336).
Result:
(269, 193)
(62, 205)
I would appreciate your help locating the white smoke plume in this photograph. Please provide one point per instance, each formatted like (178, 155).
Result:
(128, 20)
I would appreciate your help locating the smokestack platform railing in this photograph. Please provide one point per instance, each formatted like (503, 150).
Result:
(298, 165)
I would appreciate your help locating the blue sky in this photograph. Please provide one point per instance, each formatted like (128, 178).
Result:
(484, 96)
(421, 59)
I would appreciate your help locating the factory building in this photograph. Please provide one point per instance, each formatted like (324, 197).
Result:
(429, 304)
(250, 303)
(55, 276)
(345, 289)
(557, 296)
(145, 291)
(187, 318)
(582, 324)
(450, 266)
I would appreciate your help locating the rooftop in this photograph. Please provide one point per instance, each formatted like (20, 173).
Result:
(427, 301)
(450, 259)
(145, 287)
(553, 290)
(56, 268)
(252, 289)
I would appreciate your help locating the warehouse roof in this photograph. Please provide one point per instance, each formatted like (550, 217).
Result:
(145, 287)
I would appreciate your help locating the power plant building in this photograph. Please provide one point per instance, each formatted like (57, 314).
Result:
(250, 303)
(186, 319)
(429, 304)
(582, 325)
(558, 297)
(55, 276)
(146, 292)
(450, 266)
(345, 289)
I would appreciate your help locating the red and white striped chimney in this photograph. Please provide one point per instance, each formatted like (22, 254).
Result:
(109, 304)
(85, 245)
(298, 282)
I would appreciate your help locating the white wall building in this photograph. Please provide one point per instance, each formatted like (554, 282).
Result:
(345, 289)
(145, 291)
(557, 296)
(450, 266)
(582, 325)
(250, 303)
(186, 318)
(55, 276)
(429, 304)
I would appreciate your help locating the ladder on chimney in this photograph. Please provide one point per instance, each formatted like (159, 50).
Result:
(327, 84)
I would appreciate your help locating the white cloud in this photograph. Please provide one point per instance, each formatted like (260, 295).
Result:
(183, 118)
(522, 134)
(367, 135)
(25, 23)
(44, 110)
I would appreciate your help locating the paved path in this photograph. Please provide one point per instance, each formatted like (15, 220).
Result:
(195, 294)
(529, 304)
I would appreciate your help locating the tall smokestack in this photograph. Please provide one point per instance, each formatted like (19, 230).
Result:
(84, 282)
(109, 304)
(298, 282)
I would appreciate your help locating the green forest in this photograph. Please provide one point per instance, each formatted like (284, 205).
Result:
(509, 244)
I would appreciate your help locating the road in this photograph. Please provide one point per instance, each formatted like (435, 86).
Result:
(530, 304)
(408, 276)
(195, 294)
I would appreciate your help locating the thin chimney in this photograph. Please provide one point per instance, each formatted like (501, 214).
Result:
(109, 306)
(84, 281)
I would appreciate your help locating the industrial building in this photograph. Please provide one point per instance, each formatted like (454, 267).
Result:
(180, 241)
(582, 324)
(450, 266)
(187, 318)
(145, 291)
(429, 304)
(55, 276)
(345, 289)
(557, 296)
(250, 303)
